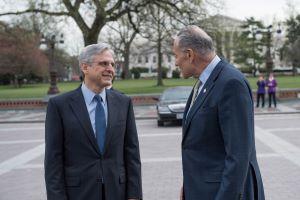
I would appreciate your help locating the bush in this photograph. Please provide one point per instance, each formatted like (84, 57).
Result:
(246, 69)
(33, 78)
(123, 74)
(176, 73)
(136, 71)
(262, 70)
(164, 72)
(5, 79)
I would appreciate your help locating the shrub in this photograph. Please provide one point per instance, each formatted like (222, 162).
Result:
(136, 71)
(164, 72)
(246, 69)
(5, 79)
(176, 73)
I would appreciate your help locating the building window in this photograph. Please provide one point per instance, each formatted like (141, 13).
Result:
(146, 59)
(154, 59)
(139, 59)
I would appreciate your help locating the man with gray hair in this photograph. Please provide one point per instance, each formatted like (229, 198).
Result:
(218, 146)
(92, 148)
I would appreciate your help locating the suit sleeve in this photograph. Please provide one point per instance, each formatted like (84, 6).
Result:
(237, 127)
(132, 157)
(54, 175)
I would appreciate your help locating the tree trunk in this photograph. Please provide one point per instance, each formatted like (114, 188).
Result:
(159, 54)
(159, 62)
(18, 81)
(126, 72)
(90, 39)
(91, 36)
(294, 64)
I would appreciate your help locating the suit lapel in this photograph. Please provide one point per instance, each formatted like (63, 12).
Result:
(186, 109)
(80, 111)
(205, 91)
(112, 109)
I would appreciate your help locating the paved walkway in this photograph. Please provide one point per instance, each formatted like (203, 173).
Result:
(141, 112)
(277, 145)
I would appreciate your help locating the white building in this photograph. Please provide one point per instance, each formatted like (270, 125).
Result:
(222, 29)
(144, 54)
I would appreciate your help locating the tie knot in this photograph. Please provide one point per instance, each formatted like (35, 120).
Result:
(98, 98)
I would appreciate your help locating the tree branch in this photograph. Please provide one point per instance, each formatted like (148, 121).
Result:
(115, 7)
(117, 16)
(99, 4)
(77, 4)
(132, 23)
(36, 11)
(76, 16)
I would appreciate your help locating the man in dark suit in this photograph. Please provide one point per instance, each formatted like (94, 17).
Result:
(218, 145)
(92, 148)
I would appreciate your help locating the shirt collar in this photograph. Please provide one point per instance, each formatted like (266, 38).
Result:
(89, 94)
(208, 70)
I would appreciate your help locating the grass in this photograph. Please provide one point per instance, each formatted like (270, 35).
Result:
(127, 86)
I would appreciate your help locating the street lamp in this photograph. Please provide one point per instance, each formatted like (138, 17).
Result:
(51, 42)
(269, 60)
(269, 31)
(254, 35)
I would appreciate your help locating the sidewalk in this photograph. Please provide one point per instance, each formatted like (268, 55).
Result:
(141, 112)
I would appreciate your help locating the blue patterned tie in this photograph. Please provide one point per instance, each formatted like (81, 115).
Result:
(100, 123)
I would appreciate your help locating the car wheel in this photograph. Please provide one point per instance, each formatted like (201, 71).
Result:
(160, 123)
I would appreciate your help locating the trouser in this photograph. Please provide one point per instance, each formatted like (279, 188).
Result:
(272, 96)
(262, 97)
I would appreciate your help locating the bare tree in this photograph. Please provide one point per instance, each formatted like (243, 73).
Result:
(92, 15)
(122, 42)
(160, 24)
(292, 54)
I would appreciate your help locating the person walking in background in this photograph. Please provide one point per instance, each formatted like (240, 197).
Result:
(272, 84)
(261, 90)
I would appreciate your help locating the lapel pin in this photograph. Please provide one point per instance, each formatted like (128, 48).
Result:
(204, 90)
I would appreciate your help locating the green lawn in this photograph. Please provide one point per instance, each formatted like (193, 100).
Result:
(126, 86)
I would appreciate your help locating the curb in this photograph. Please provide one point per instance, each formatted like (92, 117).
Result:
(275, 113)
(137, 118)
(22, 122)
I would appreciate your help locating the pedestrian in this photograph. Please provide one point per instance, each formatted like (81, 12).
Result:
(218, 145)
(272, 84)
(92, 148)
(261, 90)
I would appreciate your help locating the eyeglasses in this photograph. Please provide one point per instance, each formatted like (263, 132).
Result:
(105, 64)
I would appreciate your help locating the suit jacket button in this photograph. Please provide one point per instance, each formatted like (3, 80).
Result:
(241, 197)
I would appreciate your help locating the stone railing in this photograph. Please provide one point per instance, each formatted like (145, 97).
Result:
(284, 94)
(148, 99)
(22, 104)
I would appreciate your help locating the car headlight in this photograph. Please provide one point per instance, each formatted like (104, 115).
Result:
(163, 109)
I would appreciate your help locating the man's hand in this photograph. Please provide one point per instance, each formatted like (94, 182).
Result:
(181, 193)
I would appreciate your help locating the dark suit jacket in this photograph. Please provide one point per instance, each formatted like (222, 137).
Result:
(218, 147)
(74, 166)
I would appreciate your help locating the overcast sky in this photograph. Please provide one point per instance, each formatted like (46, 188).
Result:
(265, 10)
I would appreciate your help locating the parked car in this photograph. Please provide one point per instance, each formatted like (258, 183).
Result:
(171, 104)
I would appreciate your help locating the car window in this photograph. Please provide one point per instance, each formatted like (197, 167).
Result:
(176, 94)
